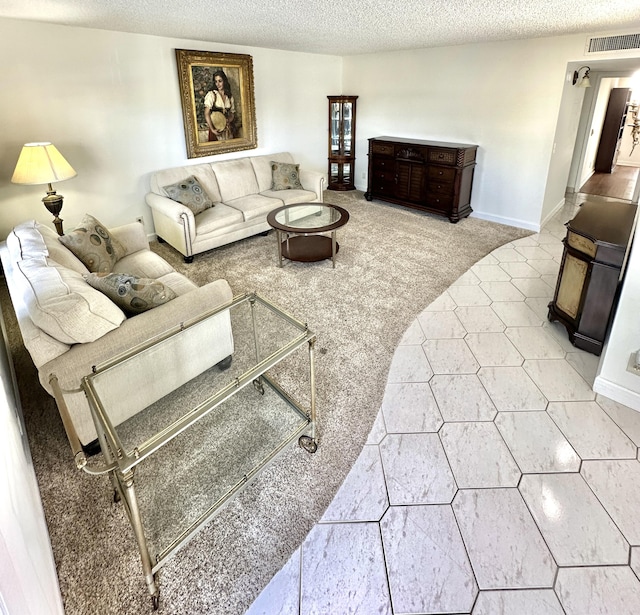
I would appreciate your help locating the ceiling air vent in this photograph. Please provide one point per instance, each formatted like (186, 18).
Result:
(620, 42)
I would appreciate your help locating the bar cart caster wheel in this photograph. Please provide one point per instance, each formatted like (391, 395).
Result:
(257, 383)
(308, 444)
(155, 601)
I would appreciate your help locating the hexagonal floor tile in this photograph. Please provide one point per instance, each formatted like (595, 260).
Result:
(343, 564)
(505, 547)
(478, 456)
(363, 494)
(461, 397)
(574, 524)
(536, 443)
(428, 567)
(518, 602)
(608, 590)
(416, 469)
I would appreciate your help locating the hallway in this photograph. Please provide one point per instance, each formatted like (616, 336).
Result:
(619, 185)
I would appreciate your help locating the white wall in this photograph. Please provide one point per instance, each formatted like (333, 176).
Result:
(613, 380)
(110, 103)
(503, 96)
(564, 143)
(28, 581)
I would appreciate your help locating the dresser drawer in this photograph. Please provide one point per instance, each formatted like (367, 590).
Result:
(440, 187)
(444, 156)
(384, 149)
(383, 176)
(382, 186)
(383, 164)
(439, 201)
(442, 173)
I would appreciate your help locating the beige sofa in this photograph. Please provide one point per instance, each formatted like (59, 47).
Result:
(68, 326)
(241, 191)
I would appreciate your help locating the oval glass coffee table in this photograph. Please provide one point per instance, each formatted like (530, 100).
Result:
(303, 225)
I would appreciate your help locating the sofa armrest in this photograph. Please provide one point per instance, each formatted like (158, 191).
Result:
(171, 209)
(132, 236)
(312, 180)
(174, 222)
(78, 361)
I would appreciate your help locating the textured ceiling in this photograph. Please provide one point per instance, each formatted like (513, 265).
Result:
(337, 27)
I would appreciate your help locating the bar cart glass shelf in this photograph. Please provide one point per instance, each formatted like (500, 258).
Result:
(179, 461)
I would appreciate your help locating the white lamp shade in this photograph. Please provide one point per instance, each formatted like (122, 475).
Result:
(41, 163)
(585, 83)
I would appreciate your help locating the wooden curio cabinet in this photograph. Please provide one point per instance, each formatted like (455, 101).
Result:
(428, 175)
(342, 142)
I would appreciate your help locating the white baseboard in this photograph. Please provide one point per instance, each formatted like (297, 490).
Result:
(507, 221)
(553, 212)
(617, 393)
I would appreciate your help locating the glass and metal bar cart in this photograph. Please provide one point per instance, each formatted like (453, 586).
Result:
(178, 461)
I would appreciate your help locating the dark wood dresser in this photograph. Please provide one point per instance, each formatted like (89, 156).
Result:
(595, 252)
(430, 175)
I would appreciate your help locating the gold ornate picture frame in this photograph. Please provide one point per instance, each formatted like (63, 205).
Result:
(218, 108)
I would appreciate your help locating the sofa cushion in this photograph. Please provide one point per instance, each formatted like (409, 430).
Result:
(144, 264)
(190, 193)
(285, 176)
(236, 178)
(290, 197)
(92, 243)
(63, 305)
(255, 205)
(129, 292)
(222, 216)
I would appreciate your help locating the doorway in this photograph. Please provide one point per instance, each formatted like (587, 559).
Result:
(624, 181)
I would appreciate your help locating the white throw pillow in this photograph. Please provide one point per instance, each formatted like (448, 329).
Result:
(62, 304)
(25, 241)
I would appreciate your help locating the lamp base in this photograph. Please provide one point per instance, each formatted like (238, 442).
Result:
(53, 202)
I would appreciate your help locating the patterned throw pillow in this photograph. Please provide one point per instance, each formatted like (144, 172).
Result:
(191, 194)
(131, 293)
(91, 242)
(285, 176)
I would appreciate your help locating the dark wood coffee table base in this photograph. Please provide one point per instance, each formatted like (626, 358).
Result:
(300, 229)
(308, 248)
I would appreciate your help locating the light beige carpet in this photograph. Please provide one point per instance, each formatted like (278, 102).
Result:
(392, 263)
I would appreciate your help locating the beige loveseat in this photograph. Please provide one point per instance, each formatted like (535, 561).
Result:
(241, 191)
(68, 326)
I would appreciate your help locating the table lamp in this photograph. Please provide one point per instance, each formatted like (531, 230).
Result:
(42, 163)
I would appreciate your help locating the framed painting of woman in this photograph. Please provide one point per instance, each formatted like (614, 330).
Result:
(218, 108)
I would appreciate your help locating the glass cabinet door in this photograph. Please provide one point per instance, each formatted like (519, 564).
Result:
(342, 131)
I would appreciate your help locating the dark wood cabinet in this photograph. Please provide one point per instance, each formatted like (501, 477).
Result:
(430, 175)
(342, 142)
(595, 250)
(612, 129)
